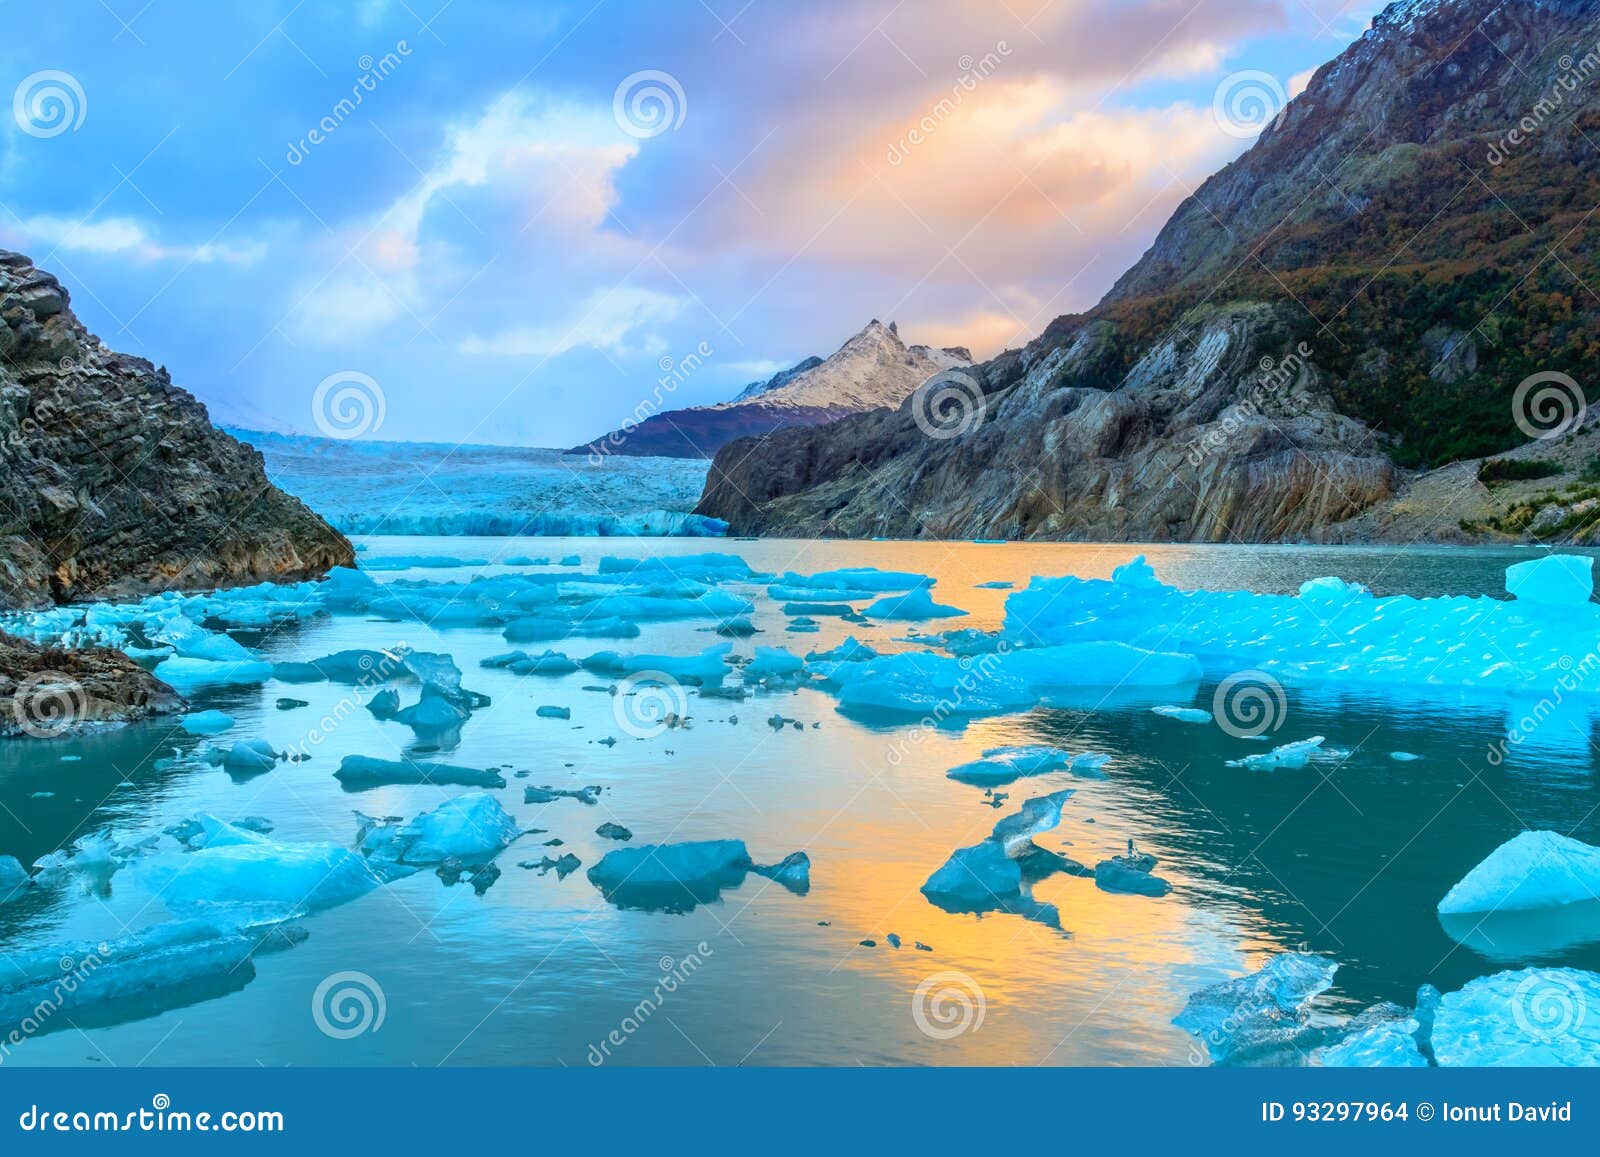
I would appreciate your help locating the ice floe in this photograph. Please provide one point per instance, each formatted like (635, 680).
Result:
(1260, 1014)
(1532, 870)
(361, 772)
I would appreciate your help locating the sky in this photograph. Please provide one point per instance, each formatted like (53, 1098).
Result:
(476, 221)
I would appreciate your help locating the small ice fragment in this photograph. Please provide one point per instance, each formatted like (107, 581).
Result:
(772, 663)
(893, 940)
(586, 795)
(793, 872)
(1135, 573)
(996, 585)
(206, 722)
(360, 772)
(1289, 755)
(1184, 714)
(13, 877)
(611, 831)
(670, 877)
(1403, 756)
(550, 712)
(915, 605)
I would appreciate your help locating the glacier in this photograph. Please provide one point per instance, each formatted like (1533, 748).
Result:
(493, 491)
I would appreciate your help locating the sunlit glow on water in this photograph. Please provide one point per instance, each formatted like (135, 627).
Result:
(1347, 859)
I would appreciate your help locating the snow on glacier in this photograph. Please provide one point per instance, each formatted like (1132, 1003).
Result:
(409, 488)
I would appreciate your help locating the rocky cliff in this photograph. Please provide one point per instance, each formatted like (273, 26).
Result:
(114, 482)
(1355, 299)
(872, 370)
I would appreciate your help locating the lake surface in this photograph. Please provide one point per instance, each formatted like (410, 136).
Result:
(1346, 858)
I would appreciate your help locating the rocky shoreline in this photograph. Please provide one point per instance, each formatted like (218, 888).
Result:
(49, 691)
(113, 481)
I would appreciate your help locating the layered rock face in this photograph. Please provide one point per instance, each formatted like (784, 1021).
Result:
(872, 370)
(1351, 302)
(1200, 442)
(113, 482)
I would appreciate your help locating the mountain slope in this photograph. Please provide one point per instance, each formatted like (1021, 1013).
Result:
(114, 482)
(873, 369)
(1360, 293)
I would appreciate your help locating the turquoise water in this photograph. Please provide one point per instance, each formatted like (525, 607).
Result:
(1346, 858)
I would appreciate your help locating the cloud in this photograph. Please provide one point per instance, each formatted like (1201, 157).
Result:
(605, 321)
(125, 236)
(518, 200)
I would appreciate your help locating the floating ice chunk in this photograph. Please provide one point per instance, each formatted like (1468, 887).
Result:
(1130, 874)
(793, 872)
(852, 650)
(1259, 1013)
(206, 722)
(701, 567)
(194, 642)
(548, 711)
(1295, 754)
(385, 704)
(146, 972)
(1015, 832)
(1544, 1017)
(738, 627)
(975, 878)
(1559, 579)
(433, 713)
(570, 560)
(186, 675)
(361, 772)
(13, 877)
(246, 757)
(521, 663)
(996, 585)
(420, 561)
(311, 875)
(588, 795)
(709, 666)
(1135, 573)
(1332, 591)
(472, 828)
(1184, 714)
(612, 831)
(1389, 1044)
(919, 683)
(1532, 870)
(917, 604)
(1403, 756)
(772, 663)
(863, 578)
(670, 877)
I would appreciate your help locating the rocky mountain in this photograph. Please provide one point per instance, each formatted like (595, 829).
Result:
(872, 370)
(1356, 299)
(113, 482)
